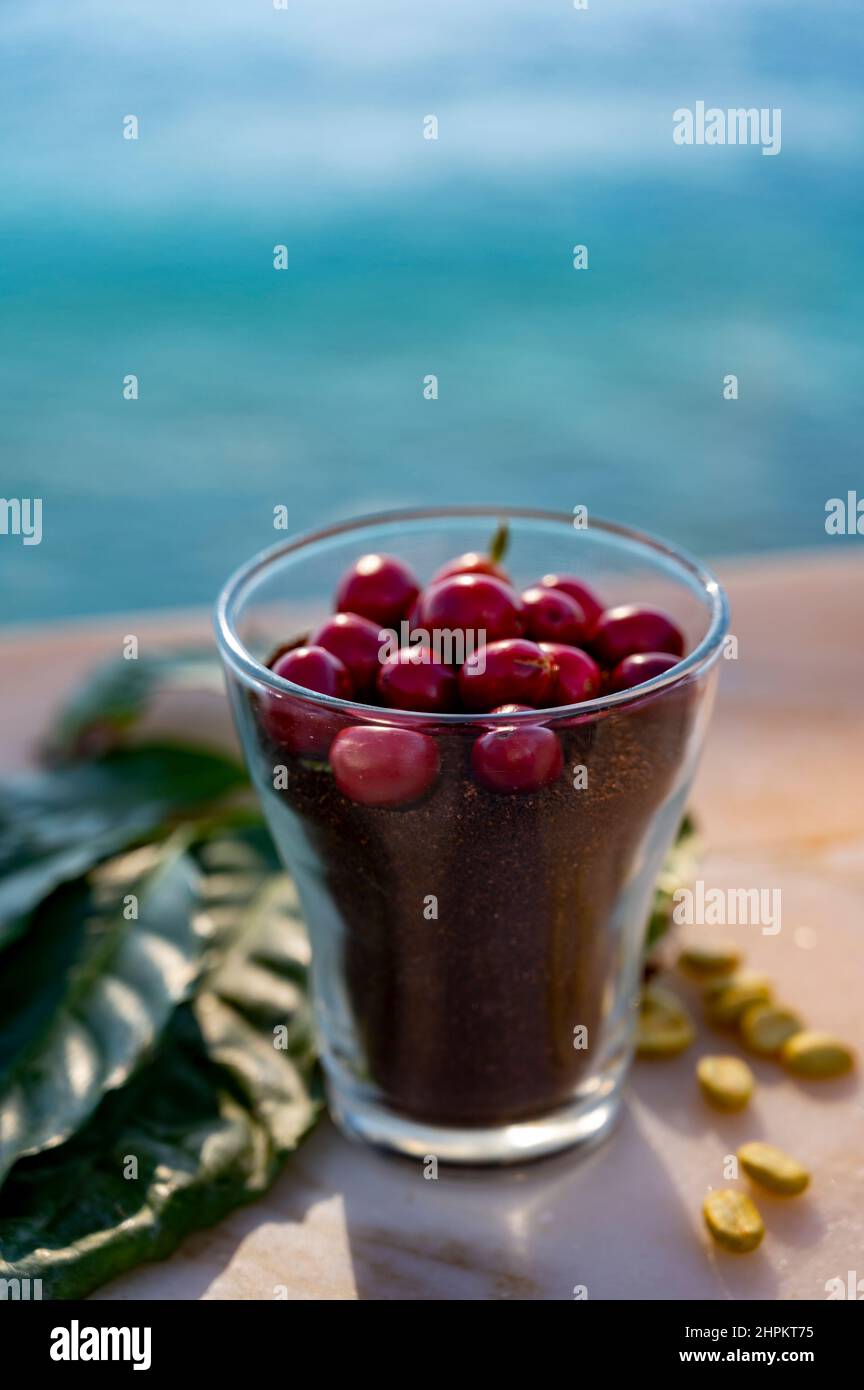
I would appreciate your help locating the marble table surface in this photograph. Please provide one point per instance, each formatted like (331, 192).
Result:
(779, 799)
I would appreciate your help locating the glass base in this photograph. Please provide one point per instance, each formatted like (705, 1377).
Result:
(584, 1123)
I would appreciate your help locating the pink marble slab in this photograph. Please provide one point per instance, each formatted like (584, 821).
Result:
(779, 797)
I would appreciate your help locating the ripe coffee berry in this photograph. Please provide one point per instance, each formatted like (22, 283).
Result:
(552, 616)
(514, 671)
(629, 630)
(356, 642)
(574, 588)
(377, 765)
(644, 666)
(411, 679)
(302, 728)
(471, 563)
(577, 676)
(472, 603)
(315, 669)
(377, 587)
(522, 759)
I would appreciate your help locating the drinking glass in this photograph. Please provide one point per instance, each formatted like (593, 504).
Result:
(477, 955)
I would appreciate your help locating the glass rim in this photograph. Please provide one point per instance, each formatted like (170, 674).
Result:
(238, 657)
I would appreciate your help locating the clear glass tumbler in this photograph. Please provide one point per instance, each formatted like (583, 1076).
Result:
(476, 955)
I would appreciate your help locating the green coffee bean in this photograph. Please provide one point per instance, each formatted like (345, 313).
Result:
(709, 961)
(766, 1027)
(816, 1055)
(773, 1169)
(664, 1028)
(726, 1003)
(726, 1082)
(733, 1220)
(712, 989)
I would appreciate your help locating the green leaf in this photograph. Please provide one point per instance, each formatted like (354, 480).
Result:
(88, 1030)
(208, 1122)
(12, 929)
(115, 696)
(500, 543)
(54, 826)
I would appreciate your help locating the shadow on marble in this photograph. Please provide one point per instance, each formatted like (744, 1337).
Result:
(612, 1222)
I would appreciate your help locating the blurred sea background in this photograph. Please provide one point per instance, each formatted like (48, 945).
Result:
(407, 256)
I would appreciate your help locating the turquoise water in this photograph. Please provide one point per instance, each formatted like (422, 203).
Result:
(408, 257)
